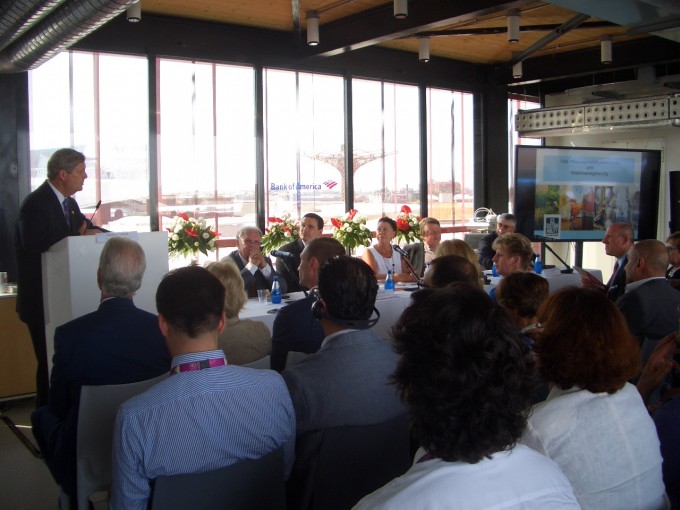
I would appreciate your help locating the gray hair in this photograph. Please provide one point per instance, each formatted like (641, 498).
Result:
(509, 217)
(63, 159)
(121, 267)
(242, 231)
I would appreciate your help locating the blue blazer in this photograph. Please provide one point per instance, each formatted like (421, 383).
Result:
(295, 329)
(116, 344)
(253, 282)
(616, 286)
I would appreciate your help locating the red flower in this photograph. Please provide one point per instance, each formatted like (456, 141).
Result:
(336, 223)
(402, 224)
(190, 232)
(405, 209)
(274, 219)
(183, 216)
(351, 214)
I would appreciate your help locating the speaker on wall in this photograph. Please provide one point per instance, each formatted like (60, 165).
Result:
(674, 224)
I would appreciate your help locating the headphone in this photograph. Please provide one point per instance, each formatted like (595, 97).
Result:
(319, 313)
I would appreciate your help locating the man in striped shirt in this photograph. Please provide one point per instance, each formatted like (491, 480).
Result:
(206, 414)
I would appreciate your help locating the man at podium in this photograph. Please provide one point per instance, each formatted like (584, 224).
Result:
(46, 216)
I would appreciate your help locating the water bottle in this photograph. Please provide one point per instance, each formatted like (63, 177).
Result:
(494, 270)
(276, 291)
(538, 267)
(389, 282)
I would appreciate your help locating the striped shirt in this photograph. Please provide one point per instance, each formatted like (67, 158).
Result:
(198, 421)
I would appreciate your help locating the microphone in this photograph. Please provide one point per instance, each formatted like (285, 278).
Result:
(284, 254)
(95, 210)
(407, 261)
(399, 250)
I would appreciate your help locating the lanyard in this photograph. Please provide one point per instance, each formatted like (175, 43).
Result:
(198, 365)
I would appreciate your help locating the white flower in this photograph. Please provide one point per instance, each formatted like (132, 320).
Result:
(196, 244)
(175, 237)
(205, 235)
(349, 230)
(362, 226)
(286, 234)
(178, 228)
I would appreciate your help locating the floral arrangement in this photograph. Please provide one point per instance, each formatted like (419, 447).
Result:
(188, 236)
(408, 226)
(280, 231)
(351, 230)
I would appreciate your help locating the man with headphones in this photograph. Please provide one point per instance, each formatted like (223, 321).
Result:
(347, 381)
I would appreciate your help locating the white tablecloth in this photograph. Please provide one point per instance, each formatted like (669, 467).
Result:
(556, 280)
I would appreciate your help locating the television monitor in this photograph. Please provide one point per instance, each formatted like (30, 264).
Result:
(575, 193)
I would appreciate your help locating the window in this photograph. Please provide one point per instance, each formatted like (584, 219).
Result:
(514, 106)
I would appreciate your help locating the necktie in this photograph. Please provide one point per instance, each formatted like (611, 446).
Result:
(67, 215)
(611, 279)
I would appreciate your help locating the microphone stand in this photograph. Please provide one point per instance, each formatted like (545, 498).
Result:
(290, 271)
(568, 269)
(407, 261)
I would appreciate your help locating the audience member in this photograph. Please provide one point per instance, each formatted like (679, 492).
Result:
(243, 341)
(505, 224)
(594, 424)
(295, 328)
(617, 241)
(521, 294)
(451, 268)
(673, 271)
(381, 257)
(650, 304)
(466, 379)
(346, 381)
(311, 227)
(207, 414)
(421, 254)
(116, 344)
(256, 269)
(46, 216)
(462, 249)
(513, 254)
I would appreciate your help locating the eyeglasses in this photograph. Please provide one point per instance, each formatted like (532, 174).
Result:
(671, 248)
(251, 241)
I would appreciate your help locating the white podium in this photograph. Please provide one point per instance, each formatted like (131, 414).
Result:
(69, 273)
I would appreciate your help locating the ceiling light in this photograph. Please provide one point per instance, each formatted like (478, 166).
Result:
(606, 49)
(517, 70)
(513, 25)
(134, 12)
(424, 49)
(312, 28)
(400, 9)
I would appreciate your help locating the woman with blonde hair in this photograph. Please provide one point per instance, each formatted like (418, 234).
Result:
(243, 341)
(462, 249)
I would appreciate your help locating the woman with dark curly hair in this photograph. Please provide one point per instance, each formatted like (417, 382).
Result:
(594, 424)
(466, 377)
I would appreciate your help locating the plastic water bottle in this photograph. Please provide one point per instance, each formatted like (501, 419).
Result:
(538, 267)
(389, 282)
(276, 291)
(494, 270)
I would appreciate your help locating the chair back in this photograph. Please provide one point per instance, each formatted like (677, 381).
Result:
(295, 357)
(353, 461)
(473, 238)
(260, 363)
(96, 416)
(246, 485)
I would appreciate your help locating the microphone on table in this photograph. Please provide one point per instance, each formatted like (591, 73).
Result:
(407, 261)
(280, 254)
(95, 210)
(399, 250)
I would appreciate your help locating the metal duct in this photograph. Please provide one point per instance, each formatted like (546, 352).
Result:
(57, 31)
(17, 16)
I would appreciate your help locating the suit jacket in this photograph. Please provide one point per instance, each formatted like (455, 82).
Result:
(116, 344)
(253, 282)
(486, 252)
(295, 329)
(651, 310)
(616, 286)
(416, 254)
(291, 264)
(41, 224)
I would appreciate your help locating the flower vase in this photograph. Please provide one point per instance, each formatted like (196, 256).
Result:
(193, 259)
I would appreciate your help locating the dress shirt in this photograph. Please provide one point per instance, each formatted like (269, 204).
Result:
(519, 478)
(198, 421)
(266, 270)
(605, 444)
(634, 285)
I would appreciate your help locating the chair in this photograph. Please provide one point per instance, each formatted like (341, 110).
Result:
(98, 408)
(260, 363)
(351, 462)
(295, 357)
(246, 485)
(473, 238)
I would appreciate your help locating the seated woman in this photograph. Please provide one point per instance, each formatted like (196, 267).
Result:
(521, 294)
(382, 257)
(514, 254)
(243, 341)
(466, 379)
(462, 249)
(451, 268)
(594, 424)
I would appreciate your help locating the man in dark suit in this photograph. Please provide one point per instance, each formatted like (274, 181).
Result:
(256, 269)
(421, 254)
(46, 216)
(295, 328)
(116, 344)
(617, 240)
(311, 227)
(506, 223)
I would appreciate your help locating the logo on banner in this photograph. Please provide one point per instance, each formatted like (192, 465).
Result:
(298, 186)
(330, 184)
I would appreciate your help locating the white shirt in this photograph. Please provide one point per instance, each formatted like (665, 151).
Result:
(518, 479)
(605, 444)
(382, 262)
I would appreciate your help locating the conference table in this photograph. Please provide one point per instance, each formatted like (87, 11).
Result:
(391, 306)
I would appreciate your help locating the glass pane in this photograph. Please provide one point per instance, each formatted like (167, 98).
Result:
(514, 106)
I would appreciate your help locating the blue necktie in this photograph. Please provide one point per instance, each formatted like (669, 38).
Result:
(67, 215)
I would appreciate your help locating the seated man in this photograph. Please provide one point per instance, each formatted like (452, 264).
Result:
(207, 414)
(311, 227)
(116, 344)
(505, 224)
(347, 381)
(466, 378)
(256, 269)
(451, 268)
(295, 329)
(421, 254)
